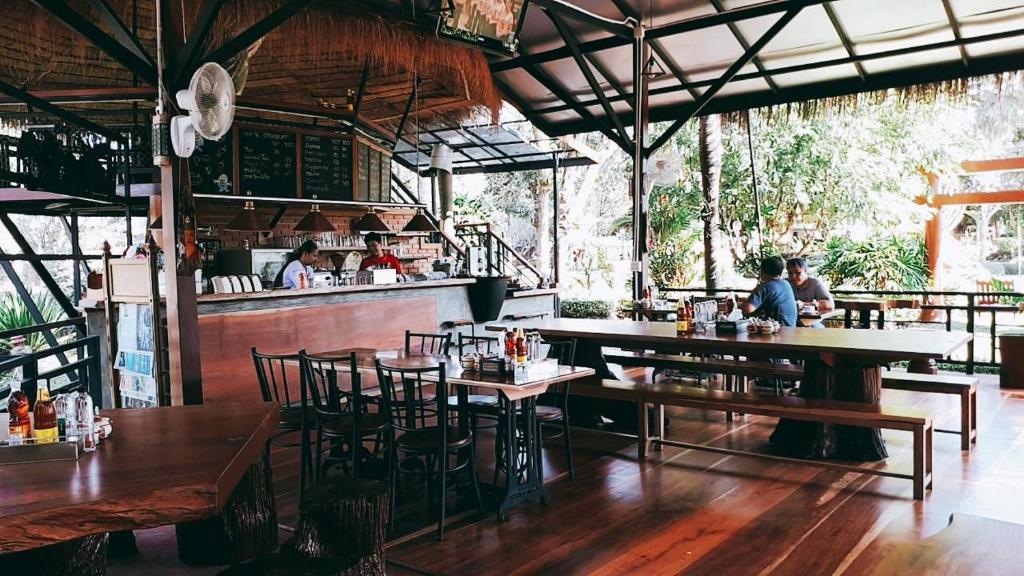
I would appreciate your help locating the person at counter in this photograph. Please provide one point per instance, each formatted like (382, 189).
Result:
(377, 257)
(298, 271)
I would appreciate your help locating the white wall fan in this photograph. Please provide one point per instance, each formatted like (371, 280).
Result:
(210, 102)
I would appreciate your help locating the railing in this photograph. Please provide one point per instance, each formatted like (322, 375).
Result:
(971, 304)
(502, 259)
(82, 373)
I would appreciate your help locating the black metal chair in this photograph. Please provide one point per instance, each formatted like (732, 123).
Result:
(479, 406)
(553, 405)
(296, 414)
(429, 445)
(342, 417)
(423, 343)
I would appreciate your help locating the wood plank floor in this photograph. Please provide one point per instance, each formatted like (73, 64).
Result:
(694, 512)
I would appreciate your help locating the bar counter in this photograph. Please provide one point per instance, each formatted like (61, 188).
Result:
(317, 319)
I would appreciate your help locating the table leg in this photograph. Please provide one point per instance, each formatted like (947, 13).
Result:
(865, 319)
(86, 556)
(244, 529)
(843, 379)
(524, 478)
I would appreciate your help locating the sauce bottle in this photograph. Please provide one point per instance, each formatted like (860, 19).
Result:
(45, 416)
(522, 354)
(682, 321)
(19, 427)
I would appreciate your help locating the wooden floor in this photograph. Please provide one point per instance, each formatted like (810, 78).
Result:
(694, 512)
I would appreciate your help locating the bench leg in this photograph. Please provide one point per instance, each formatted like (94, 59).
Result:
(659, 415)
(968, 418)
(642, 431)
(729, 387)
(922, 460)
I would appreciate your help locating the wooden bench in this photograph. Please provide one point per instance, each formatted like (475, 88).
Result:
(710, 365)
(823, 411)
(964, 386)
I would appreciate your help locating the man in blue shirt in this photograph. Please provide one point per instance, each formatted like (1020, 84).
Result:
(773, 297)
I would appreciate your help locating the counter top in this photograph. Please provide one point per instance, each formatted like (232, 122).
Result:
(287, 294)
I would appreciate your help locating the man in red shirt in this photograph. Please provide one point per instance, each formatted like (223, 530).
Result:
(377, 257)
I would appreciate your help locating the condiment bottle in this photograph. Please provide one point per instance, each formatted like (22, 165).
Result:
(521, 352)
(510, 345)
(45, 416)
(19, 427)
(84, 415)
(682, 322)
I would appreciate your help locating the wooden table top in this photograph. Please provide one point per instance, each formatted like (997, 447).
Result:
(884, 345)
(538, 376)
(861, 303)
(161, 466)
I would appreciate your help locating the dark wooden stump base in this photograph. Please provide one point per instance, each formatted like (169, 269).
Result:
(842, 379)
(122, 545)
(81, 557)
(245, 529)
(341, 532)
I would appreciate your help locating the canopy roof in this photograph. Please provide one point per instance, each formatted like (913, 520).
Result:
(828, 49)
(480, 149)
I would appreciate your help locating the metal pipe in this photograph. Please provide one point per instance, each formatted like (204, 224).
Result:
(639, 265)
(555, 263)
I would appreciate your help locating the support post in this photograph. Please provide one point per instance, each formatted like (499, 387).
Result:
(555, 261)
(184, 364)
(638, 184)
(76, 251)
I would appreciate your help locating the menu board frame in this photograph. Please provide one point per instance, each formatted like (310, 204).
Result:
(359, 195)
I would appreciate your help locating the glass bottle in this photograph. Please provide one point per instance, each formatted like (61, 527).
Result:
(45, 415)
(60, 405)
(682, 322)
(84, 417)
(19, 426)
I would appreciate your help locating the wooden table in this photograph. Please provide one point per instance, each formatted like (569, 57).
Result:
(516, 395)
(839, 365)
(864, 306)
(162, 466)
(812, 318)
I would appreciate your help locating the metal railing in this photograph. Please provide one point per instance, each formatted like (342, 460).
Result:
(970, 304)
(502, 259)
(82, 373)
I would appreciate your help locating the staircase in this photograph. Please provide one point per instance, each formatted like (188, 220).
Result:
(502, 259)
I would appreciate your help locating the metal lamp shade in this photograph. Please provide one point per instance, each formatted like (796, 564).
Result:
(441, 158)
(246, 220)
(370, 222)
(157, 224)
(314, 221)
(420, 223)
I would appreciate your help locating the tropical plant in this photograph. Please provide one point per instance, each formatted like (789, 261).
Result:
(15, 314)
(880, 263)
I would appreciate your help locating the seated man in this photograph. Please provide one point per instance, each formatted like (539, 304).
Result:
(773, 297)
(807, 289)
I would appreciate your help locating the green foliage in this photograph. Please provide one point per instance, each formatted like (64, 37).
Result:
(1000, 286)
(590, 264)
(14, 314)
(598, 309)
(880, 263)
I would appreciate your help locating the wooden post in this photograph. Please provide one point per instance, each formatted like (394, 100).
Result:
(184, 363)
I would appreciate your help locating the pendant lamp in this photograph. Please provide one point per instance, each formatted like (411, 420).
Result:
(370, 222)
(420, 223)
(157, 224)
(314, 221)
(246, 220)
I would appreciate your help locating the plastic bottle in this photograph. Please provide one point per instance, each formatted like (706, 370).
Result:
(522, 354)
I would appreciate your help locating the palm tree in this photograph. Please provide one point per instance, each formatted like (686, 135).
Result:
(710, 148)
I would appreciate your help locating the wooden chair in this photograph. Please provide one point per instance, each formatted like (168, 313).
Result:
(430, 446)
(342, 417)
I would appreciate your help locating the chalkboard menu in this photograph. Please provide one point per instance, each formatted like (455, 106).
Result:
(211, 168)
(374, 175)
(385, 178)
(363, 193)
(326, 167)
(266, 163)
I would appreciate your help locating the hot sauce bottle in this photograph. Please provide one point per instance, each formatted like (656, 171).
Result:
(522, 354)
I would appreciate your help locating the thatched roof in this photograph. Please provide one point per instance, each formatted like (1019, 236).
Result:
(313, 59)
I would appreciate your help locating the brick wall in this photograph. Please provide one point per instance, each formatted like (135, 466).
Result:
(218, 215)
